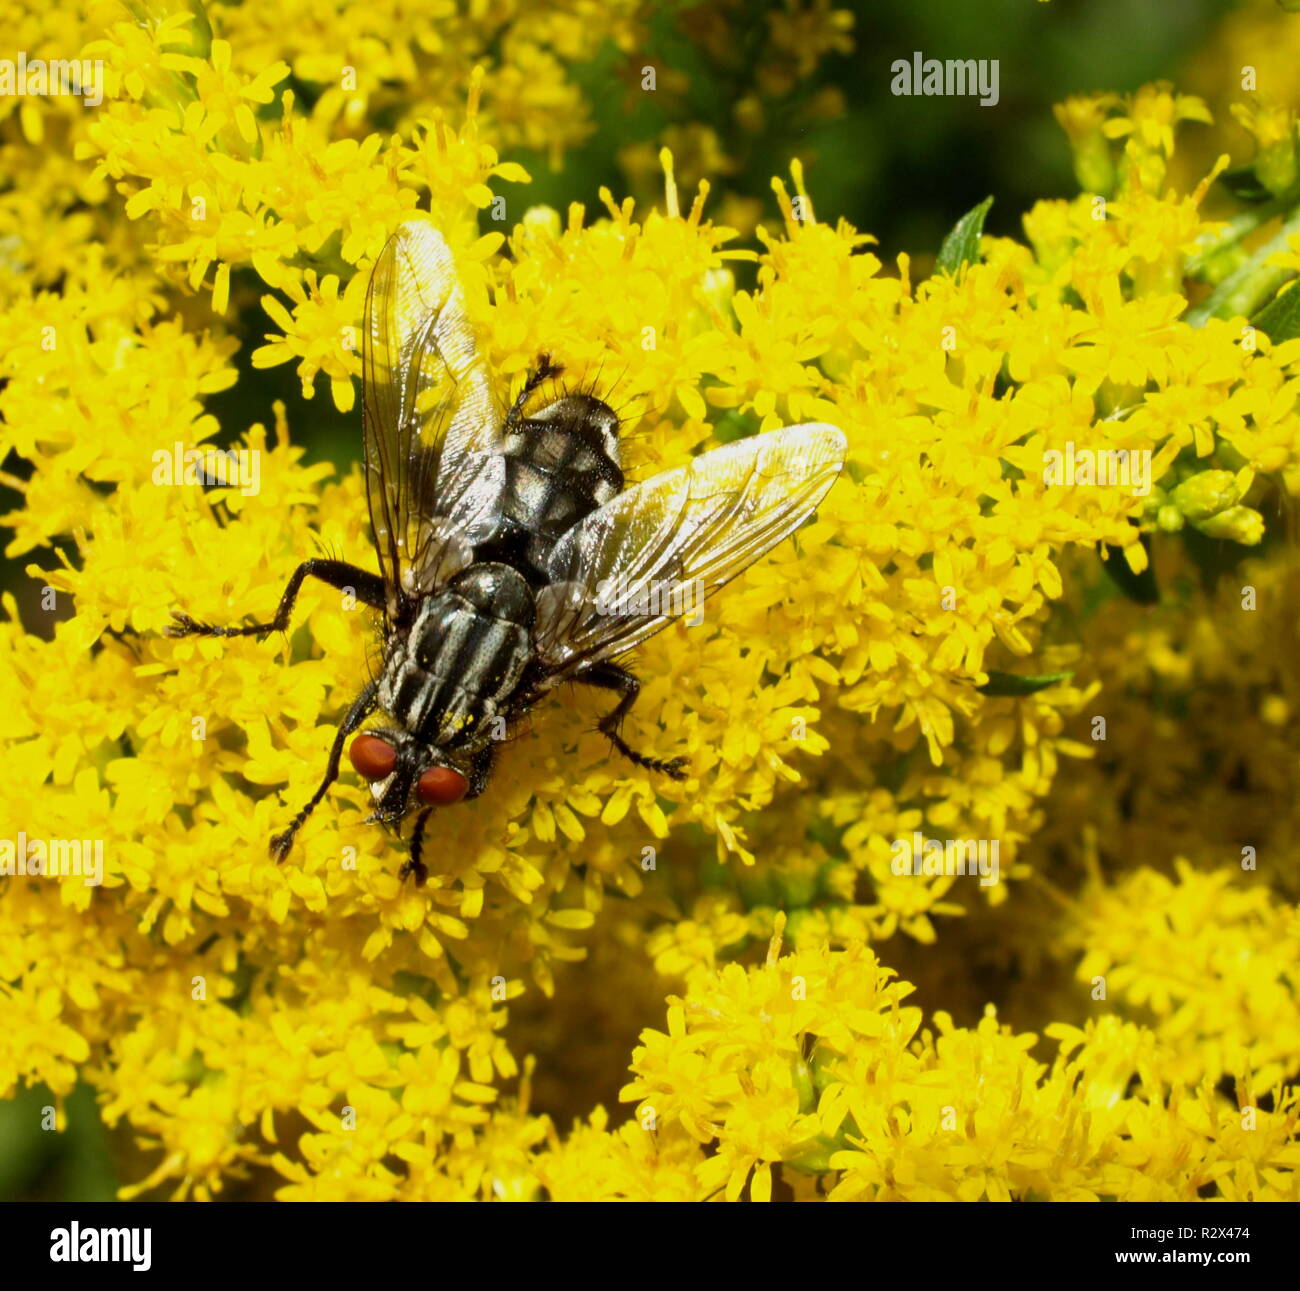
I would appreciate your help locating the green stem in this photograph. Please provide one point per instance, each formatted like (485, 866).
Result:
(1245, 290)
(1238, 227)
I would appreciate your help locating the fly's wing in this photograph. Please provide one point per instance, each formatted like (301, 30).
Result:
(652, 553)
(431, 433)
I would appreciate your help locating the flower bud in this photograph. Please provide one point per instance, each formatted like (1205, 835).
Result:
(1081, 118)
(1239, 524)
(1205, 495)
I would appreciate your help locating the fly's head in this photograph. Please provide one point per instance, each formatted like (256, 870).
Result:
(405, 774)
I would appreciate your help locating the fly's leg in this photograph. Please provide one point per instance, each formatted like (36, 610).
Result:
(480, 768)
(125, 638)
(609, 676)
(364, 704)
(414, 867)
(545, 370)
(369, 588)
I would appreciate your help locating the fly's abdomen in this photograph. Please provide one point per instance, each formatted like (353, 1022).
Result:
(463, 657)
(561, 464)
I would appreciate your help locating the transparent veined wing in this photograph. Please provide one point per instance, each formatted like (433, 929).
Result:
(614, 573)
(431, 433)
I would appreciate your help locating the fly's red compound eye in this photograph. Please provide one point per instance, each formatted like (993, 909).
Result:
(440, 786)
(373, 758)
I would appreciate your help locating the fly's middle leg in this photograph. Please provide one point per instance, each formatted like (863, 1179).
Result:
(609, 676)
(367, 587)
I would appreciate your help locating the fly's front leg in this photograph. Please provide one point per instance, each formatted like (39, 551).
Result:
(480, 768)
(413, 867)
(369, 589)
(609, 676)
(364, 704)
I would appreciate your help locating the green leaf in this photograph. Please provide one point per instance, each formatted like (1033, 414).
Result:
(962, 245)
(734, 424)
(1008, 683)
(1280, 318)
(1137, 587)
(1244, 185)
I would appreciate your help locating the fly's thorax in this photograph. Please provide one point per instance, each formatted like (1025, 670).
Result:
(462, 658)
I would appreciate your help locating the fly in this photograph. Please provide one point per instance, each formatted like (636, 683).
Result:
(500, 538)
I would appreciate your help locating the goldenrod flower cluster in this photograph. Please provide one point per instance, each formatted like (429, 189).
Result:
(1129, 980)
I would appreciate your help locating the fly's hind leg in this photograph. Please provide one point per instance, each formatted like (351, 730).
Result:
(368, 588)
(364, 704)
(609, 676)
(544, 371)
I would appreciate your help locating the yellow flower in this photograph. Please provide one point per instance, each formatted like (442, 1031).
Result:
(1152, 114)
(317, 333)
(1274, 128)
